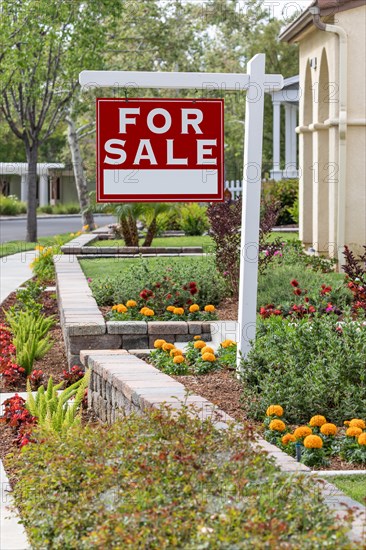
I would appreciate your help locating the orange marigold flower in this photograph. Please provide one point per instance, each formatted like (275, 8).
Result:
(208, 357)
(346, 422)
(114, 307)
(362, 439)
(194, 307)
(167, 346)
(207, 349)
(358, 423)
(317, 420)
(287, 438)
(313, 442)
(197, 337)
(178, 311)
(274, 410)
(210, 308)
(227, 343)
(143, 309)
(199, 344)
(328, 429)
(175, 351)
(170, 308)
(131, 303)
(178, 359)
(353, 431)
(302, 431)
(121, 308)
(159, 344)
(148, 312)
(277, 425)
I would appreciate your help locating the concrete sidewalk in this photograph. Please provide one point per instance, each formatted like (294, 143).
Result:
(14, 271)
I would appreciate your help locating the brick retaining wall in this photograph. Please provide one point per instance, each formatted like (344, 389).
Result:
(84, 327)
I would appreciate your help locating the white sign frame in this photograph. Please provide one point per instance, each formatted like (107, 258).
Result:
(255, 82)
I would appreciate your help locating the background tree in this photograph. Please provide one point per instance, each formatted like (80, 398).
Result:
(45, 45)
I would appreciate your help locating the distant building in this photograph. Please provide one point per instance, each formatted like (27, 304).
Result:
(55, 182)
(332, 123)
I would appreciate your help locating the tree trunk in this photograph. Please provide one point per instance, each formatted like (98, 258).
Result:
(79, 174)
(32, 157)
(132, 222)
(125, 230)
(151, 232)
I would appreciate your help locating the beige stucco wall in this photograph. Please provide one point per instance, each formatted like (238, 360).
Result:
(319, 149)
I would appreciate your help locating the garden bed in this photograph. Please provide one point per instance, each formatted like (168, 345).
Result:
(54, 362)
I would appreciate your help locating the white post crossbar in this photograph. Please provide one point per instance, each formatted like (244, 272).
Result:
(256, 82)
(176, 81)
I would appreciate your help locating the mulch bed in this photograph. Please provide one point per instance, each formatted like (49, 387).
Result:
(224, 390)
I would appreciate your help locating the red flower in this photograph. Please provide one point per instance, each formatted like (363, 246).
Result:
(294, 283)
(193, 291)
(192, 284)
(297, 291)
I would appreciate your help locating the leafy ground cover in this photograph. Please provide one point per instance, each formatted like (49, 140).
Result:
(273, 287)
(352, 485)
(158, 482)
(143, 279)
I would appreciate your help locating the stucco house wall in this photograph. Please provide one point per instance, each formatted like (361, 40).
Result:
(318, 131)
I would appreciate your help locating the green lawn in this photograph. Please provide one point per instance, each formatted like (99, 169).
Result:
(205, 241)
(13, 247)
(103, 267)
(353, 486)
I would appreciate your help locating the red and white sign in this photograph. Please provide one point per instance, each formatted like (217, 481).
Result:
(160, 150)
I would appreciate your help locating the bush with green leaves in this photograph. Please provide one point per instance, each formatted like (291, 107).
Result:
(163, 481)
(144, 275)
(11, 206)
(286, 192)
(307, 366)
(193, 219)
(52, 409)
(274, 286)
(30, 336)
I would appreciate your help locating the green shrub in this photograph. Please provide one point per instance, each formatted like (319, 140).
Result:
(286, 192)
(194, 219)
(161, 482)
(52, 409)
(46, 209)
(144, 274)
(307, 367)
(67, 208)
(294, 210)
(274, 286)
(11, 206)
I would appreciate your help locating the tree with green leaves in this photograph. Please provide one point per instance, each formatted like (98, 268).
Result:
(45, 44)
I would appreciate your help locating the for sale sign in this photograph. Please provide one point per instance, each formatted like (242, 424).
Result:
(160, 150)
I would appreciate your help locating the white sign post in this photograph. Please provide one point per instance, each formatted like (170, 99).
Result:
(255, 82)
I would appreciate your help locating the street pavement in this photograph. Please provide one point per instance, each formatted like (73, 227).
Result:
(15, 229)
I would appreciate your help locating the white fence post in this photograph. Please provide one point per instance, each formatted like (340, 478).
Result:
(251, 206)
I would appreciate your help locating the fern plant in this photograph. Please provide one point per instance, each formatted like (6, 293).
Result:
(52, 409)
(31, 338)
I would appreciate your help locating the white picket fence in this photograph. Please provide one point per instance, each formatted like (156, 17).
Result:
(235, 188)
